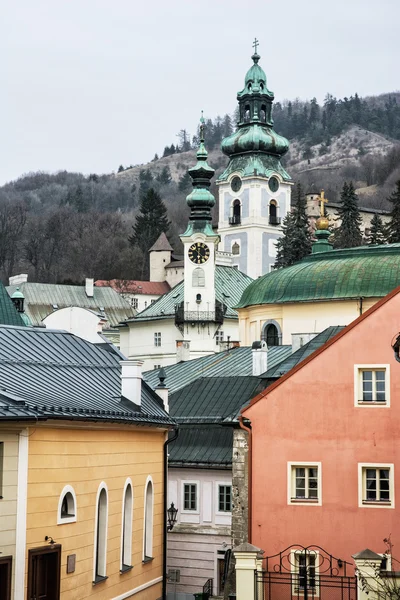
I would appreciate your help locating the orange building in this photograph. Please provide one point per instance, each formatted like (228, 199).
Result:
(82, 471)
(325, 456)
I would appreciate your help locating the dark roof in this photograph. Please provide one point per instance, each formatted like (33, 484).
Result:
(229, 363)
(161, 244)
(8, 313)
(134, 286)
(202, 447)
(229, 286)
(49, 374)
(302, 353)
(42, 299)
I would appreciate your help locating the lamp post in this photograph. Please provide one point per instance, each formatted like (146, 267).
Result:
(172, 513)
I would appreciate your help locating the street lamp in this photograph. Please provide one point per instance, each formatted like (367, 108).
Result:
(171, 516)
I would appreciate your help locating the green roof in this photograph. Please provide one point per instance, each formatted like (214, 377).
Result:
(229, 286)
(202, 446)
(8, 313)
(363, 272)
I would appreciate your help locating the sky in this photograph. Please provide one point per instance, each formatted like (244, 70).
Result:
(87, 85)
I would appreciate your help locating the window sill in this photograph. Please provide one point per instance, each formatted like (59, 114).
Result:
(126, 569)
(99, 579)
(147, 559)
(377, 502)
(372, 403)
(304, 500)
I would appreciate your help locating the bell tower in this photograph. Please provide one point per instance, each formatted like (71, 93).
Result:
(254, 189)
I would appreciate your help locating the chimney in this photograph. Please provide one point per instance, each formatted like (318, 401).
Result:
(301, 339)
(89, 284)
(162, 390)
(18, 279)
(182, 350)
(259, 351)
(131, 380)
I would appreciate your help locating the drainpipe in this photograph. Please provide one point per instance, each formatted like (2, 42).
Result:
(361, 305)
(164, 579)
(250, 478)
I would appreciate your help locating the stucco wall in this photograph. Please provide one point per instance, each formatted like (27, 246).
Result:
(312, 417)
(83, 458)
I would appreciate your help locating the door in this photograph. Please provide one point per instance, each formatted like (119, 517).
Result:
(5, 577)
(44, 573)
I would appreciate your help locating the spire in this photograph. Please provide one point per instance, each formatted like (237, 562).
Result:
(256, 57)
(322, 232)
(200, 200)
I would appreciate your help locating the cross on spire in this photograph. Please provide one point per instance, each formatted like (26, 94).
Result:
(322, 202)
(255, 45)
(202, 127)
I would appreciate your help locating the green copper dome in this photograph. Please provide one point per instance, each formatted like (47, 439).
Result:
(255, 81)
(363, 272)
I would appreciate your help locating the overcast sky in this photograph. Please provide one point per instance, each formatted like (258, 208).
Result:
(89, 84)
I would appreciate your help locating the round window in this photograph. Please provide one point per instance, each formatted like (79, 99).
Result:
(273, 184)
(236, 184)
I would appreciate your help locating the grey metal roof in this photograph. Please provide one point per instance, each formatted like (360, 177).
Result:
(202, 446)
(41, 299)
(51, 374)
(8, 313)
(274, 372)
(229, 286)
(230, 363)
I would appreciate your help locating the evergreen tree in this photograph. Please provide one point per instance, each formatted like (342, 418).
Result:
(164, 176)
(377, 234)
(185, 183)
(296, 241)
(150, 223)
(121, 168)
(348, 234)
(394, 223)
(145, 181)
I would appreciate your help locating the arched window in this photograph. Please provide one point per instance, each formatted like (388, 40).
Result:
(247, 113)
(236, 213)
(148, 521)
(235, 249)
(271, 334)
(263, 113)
(273, 213)
(67, 506)
(100, 541)
(198, 277)
(126, 541)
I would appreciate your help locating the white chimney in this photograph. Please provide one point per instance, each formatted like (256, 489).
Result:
(18, 279)
(182, 350)
(162, 390)
(259, 351)
(301, 339)
(131, 380)
(89, 285)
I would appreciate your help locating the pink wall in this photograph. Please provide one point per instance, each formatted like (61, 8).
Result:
(311, 417)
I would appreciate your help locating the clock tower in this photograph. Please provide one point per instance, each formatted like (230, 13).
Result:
(254, 189)
(200, 243)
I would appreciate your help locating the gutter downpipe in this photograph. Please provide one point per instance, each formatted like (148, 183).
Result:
(250, 477)
(165, 491)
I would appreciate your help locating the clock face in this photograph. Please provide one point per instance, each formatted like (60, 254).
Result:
(236, 184)
(199, 253)
(273, 184)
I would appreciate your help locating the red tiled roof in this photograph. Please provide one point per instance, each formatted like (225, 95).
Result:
(132, 286)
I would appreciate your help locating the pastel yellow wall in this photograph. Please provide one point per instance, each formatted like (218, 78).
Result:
(8, 504)
(83, 458)
(306, 317)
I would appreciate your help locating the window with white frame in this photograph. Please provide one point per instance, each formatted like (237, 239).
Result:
(305, 567)
(224, 498)
(304, 483)
(157, 338)
(67, 506)
(376, 485)
(190, 496)
(198, 277)
(135, 303)
(371, 385)
(126, 542)
(100, 542)
(219, 337)
(148, 522)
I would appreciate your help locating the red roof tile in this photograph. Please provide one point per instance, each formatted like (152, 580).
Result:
(132, 286)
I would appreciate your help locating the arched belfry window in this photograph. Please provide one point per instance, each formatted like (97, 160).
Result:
(273, 213)
(247, 113)
(236, 213)
(100, 542)
(271, 334)
(148, 521)
(198, 277)
(127, 515)
(235, 249)
(263, 113)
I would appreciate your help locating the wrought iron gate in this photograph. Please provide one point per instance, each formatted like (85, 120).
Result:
(305, 573)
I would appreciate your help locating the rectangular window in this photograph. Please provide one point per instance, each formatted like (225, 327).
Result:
(135, 303)
(305, 569)
(376, 485)
(219, 337)
(304, 483)
(1, 468)
(371, 385)
(190, 496)
(157, 339)
(224, 498)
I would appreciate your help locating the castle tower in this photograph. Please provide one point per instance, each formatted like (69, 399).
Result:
(254, 189)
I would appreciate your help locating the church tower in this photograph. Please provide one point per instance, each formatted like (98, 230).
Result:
(254, 189)
(200, 243)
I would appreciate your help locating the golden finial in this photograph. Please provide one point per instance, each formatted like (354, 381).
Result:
(322, 222)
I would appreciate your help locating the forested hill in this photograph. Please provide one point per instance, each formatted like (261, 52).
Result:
(67, 226)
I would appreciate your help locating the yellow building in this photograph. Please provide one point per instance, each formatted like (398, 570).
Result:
(81, 471)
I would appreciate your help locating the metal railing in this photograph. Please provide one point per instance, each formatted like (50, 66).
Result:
(235, 220)
(200, 316)
(274, 220)
(208, 589)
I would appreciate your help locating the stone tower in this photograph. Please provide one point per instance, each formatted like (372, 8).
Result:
(254, 189)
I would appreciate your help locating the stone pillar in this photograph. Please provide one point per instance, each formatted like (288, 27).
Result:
(260, 583)
(246, 557)
(368, 565)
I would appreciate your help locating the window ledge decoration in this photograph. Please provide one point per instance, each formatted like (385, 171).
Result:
(126, 569)
(100, 579)
(147, 559)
